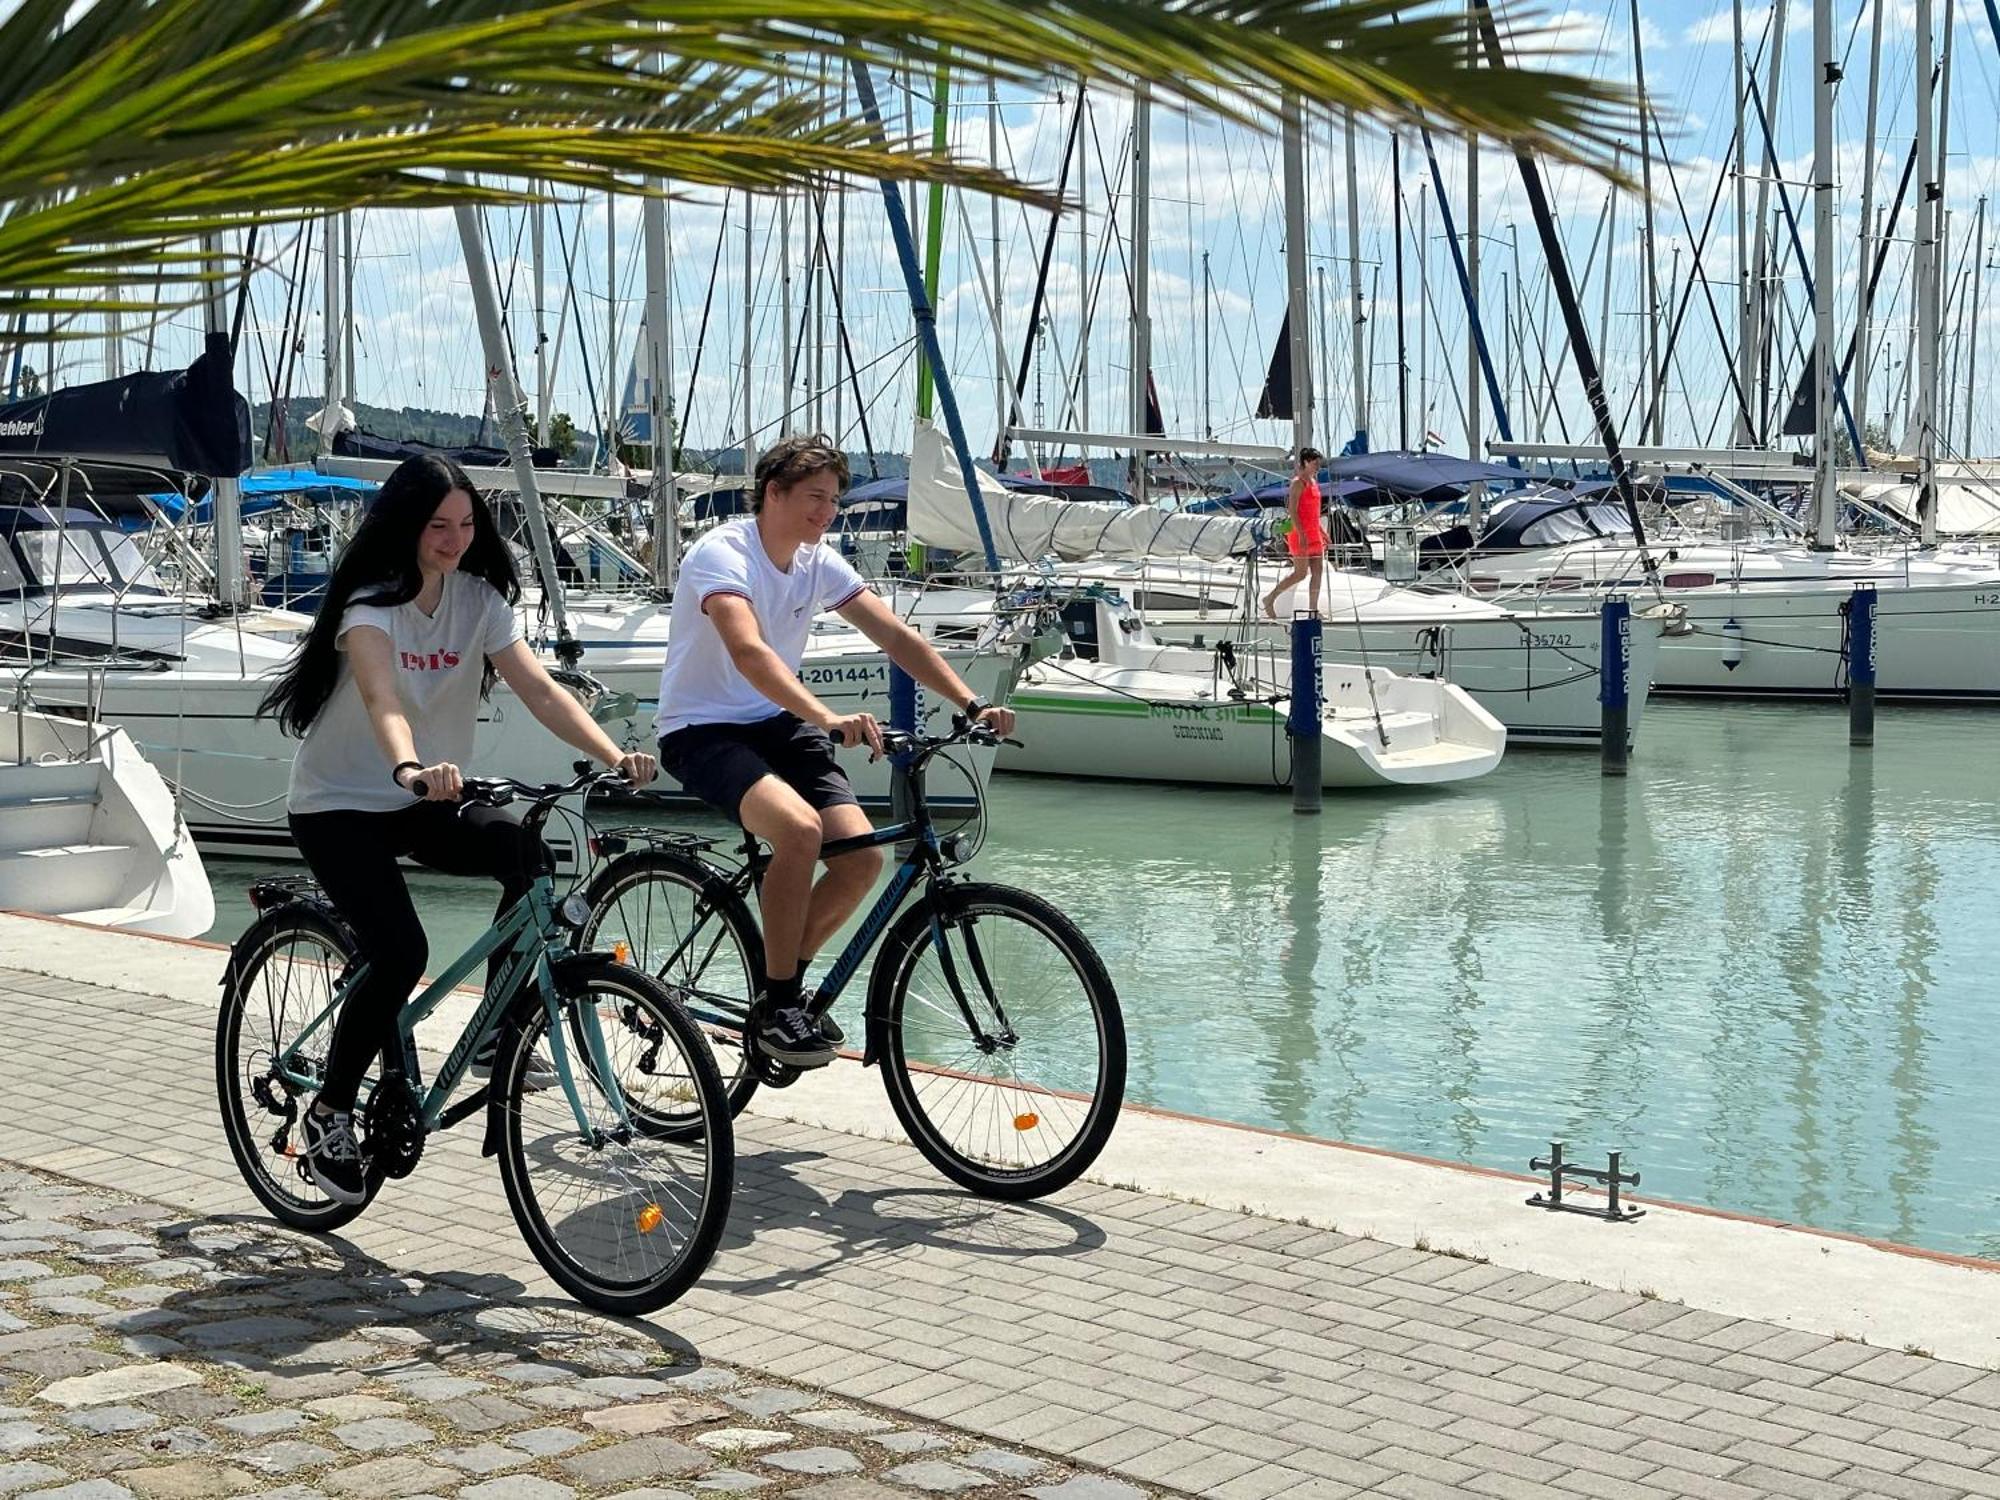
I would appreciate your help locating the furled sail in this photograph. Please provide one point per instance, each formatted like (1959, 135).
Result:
(1031, 526)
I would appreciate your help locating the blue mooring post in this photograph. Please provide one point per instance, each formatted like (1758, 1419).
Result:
(1614, 684)
(903, 716)
(1302, 723)
(1861, 665)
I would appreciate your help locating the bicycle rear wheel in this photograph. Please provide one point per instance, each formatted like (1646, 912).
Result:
(1005, 1050)
(283, 974)
(622, 1217)
(682, 925)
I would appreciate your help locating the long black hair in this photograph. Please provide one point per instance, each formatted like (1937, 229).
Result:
(379, 566)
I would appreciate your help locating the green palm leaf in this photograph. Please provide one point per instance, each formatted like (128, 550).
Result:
(127, 126)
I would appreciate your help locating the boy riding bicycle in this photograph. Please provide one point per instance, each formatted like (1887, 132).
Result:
(739, 730)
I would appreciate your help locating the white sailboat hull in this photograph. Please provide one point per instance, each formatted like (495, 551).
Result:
(1082, 718)
(88, 831)
(1771, 621)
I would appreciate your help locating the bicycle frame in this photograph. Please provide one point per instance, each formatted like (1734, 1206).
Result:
(531, 935)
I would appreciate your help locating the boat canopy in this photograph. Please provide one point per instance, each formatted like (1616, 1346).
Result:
(130, 436)
(1414, 474)
(43, 548)
(269, 490)
(1547, 522)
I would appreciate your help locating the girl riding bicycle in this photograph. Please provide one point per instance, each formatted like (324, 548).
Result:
(385, 689)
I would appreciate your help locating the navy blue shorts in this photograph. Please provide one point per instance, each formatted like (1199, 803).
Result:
(720, 762)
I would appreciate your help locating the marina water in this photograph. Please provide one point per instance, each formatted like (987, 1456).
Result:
(1764, 965)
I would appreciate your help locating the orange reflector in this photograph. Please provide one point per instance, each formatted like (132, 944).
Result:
(621, 951)
(649, 1218)
(1027, 1121)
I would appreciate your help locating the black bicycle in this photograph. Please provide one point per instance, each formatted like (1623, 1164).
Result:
(996, 1025)
(619, 1175)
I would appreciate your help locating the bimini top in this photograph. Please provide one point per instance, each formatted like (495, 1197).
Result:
(1414, 474)
(1545, 521)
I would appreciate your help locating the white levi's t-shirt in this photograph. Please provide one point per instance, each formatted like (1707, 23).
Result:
(439, 661)
(700, 684)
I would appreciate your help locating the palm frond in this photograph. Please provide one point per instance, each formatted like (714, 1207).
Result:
(138, 123)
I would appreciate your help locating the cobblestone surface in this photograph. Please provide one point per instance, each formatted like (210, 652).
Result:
(272, 1364)
(1105, 1345)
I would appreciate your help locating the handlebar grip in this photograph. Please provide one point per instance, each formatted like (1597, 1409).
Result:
(419, 788)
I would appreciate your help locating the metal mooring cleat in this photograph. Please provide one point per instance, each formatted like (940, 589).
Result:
(1611, 1179)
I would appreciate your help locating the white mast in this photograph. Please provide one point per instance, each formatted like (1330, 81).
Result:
(1083, 259)
(227, 500)
(1746, 306)
(1656, 383)
(1972, 348)
(330, 329)
(1142, 313)
(540, 264)
(749, 438)
(659, 379)
(1858, 386)
(347, 322)
(1927, 305)
(1000, 403)
(612, 381)
(1826, 495)
(1475, 494)
(1358, 331)
(1300, 350)
(510, 406)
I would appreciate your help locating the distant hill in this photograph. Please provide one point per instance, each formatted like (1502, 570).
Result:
(408, 423)
(455, 429)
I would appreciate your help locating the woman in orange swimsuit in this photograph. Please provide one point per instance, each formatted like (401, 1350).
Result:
(1306, 541)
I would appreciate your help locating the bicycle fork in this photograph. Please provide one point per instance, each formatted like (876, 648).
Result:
(987, 1042)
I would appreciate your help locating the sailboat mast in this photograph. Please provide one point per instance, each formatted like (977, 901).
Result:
(1142, 312)
(1926, 290)
(993, 284)
(330, 327)
(1295, 273)
(1746, 308)
(1207, 350)
(612, 363)
(1865, 298)
(1402, 342)
(1475, 493)
(1826, 494)
(1972, 345)
(665, 488)
(1656, 379)
(1358, 332)
(749, 308)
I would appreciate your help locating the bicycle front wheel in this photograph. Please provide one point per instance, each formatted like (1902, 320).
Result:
(1005, 1050)
(284, 974)
(623, 1217)
(680, 923)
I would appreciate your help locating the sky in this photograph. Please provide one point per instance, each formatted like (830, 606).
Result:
(1217, 261)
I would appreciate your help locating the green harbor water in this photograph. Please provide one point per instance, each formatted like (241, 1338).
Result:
(1763, 964)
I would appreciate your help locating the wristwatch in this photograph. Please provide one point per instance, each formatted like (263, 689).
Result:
(975, 706)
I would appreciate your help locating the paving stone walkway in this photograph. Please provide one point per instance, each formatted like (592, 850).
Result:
(1132, 1343)
(145, 1355)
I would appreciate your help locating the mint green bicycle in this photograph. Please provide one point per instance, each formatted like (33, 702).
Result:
(619, 1177)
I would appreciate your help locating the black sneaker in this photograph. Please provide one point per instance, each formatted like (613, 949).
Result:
(794, 1038)
(333, 1156)
(829, 1030)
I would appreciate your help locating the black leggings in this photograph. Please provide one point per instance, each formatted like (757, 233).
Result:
(353, 856)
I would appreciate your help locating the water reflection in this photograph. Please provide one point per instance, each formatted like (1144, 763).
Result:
(1762, 963)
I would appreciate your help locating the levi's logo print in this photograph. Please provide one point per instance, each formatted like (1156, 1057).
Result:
(430, 661)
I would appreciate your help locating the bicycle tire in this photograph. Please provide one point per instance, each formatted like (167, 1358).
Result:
(921, 1088)
(634, 901)
(541, 1127)
(280, 1189)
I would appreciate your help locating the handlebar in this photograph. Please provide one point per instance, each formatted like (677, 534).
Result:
(499, 791)
(921, 747)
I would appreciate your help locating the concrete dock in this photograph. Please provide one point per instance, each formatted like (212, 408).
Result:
(1220, 1312)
